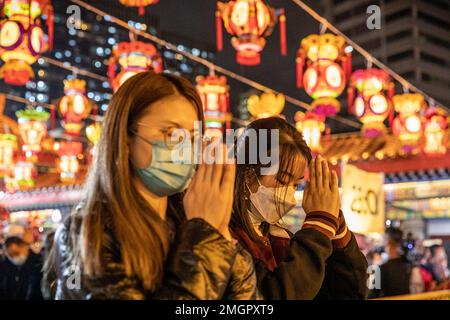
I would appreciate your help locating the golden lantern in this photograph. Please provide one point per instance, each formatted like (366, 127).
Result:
(322, 69)
(133, 57)
(93, 132)
(69, 152)
(8, 147)
(266, 105)
(74, 107)
(408, 125)
(311, 125)
(434, 130)
(22, 38)
(214, 93)
(33, 128)
(372, 104)
(249, 22)
(138, 3)
(24, 175)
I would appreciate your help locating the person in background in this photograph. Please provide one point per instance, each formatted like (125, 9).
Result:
(20, 271)
(48, 283)
(438, 266)
(322, 260)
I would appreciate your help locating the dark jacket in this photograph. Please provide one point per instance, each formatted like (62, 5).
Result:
(309, 268)
(199, 266)
(21, 282)
(395, 277)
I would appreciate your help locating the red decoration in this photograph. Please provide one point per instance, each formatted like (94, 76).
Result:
(22, 38)
(133, 57)
(249, 22)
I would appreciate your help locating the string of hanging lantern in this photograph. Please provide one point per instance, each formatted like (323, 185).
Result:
(371, 59)
(210, 65)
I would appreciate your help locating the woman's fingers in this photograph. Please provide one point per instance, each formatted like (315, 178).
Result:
(219, 155)
(318, 172)
(312, 174)
(334, 182)
(325, 174)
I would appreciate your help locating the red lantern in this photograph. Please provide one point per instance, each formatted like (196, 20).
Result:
(408, 125)
(74, 106)
(311, 125)
(69, 152)
(249, 22)
(434, 130)
(138, 3)
(33, 128)
(133, 57)
(214, 93)
(322, 68)
(22, 38)
(24, 176)
(8, 147)
(372, 104)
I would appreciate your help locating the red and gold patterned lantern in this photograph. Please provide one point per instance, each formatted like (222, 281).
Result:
(33, 128)
(93, 132)
(138, 3)
(434, 130)
(249, 22)
(74, 107)
(266, 105)
(22, 38)
(322, 69)
(132, 57)
(69, 152)
(8, 148)
(408, 125)
(214, 93)
(373, 102)
(311, 125)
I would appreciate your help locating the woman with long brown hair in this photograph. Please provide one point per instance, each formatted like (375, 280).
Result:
(138, 234)
(322, 260)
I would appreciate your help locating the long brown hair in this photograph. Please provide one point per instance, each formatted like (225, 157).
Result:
(290, 145)
(112, 201)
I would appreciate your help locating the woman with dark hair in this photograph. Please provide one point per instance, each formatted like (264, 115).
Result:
(322, 260)
(137, 234)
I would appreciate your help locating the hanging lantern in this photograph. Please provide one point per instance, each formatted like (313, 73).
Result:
(408, 125)
(311, 125)
(8, 147)
(132, 57)
(22, 38)
(373, 102)
(24, 175)
(69, 153)
(266, 105)
(74, 106)
(249, 22)
(322, 69)
(93, 132)
(214, 93)
(434, 130)
(138, 3)
(33, 128)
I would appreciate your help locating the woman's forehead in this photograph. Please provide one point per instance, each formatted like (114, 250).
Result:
(293, 166)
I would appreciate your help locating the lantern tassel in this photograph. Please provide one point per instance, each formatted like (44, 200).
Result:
(391, 90)
(112, 68)
(348, 65)
(141, 8)
(300, 62)
(391, 117)
(283, 45)
(52, 117)
(50, 26)
(350, 96)
(219, 33)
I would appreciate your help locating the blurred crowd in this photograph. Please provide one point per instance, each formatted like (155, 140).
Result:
(22, 254)
(407, 265)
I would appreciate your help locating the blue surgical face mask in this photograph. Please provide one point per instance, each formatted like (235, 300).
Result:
(171, 169)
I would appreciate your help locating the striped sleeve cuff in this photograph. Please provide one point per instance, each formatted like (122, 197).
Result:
(343, 234)
(323, 222)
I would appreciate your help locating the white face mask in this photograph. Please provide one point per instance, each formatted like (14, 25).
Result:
(266, 201)
(19, 260)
